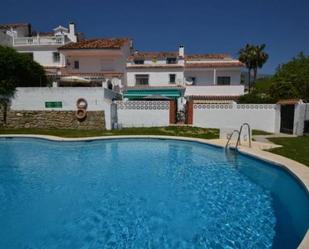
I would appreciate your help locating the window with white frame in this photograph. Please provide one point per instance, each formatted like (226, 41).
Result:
(142, 79)
(223, 80)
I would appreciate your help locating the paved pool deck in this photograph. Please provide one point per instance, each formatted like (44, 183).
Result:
(257, 150)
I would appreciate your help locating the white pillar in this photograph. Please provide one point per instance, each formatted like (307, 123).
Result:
(215, 76)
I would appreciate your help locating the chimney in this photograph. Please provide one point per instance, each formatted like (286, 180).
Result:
(72, 34)
(181, 51)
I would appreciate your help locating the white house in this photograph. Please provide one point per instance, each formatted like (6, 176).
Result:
(41, 46)
(212, 75)
(152, 73)
(97, 60)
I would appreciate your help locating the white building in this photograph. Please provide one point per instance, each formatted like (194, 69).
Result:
(111, 62)
(212, 75)
(152, 73)
(41, 46)
(97, 60)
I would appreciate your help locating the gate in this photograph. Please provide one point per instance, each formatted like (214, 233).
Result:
(173, 112)
(287, 118)
(189, 112)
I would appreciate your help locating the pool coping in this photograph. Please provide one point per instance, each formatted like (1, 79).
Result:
(300, 171)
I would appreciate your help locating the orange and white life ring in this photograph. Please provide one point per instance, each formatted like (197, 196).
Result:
(81, 103)
(81, 114)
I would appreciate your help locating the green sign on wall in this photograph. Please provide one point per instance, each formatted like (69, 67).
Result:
(53, 104)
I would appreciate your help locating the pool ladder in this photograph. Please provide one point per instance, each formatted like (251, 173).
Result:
(239, 136)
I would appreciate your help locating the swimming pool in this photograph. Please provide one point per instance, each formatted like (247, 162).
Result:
(144, 193)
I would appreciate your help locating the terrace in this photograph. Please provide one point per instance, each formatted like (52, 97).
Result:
(38, 40)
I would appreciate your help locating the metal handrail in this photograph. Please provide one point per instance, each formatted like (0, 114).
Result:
(228, 141)
(239, 134)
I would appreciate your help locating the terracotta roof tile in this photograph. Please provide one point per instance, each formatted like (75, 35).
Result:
(207, 56)
(141, 66)
(93, 74)
(105, 43)
(288, 101)
(214, 64)
(152, 55)
(212, 97)
(154, 87)
(46, 33)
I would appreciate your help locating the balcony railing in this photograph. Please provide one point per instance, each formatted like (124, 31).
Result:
(37, 40)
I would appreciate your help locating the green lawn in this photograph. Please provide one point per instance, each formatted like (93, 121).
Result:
(260, 132)
(184, 131)
(296, 148)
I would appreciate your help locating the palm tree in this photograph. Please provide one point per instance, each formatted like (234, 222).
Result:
(246, 56)
(260, 58)
(254, 57)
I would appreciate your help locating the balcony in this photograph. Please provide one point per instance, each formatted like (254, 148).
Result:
(215, 90)
(37, 41)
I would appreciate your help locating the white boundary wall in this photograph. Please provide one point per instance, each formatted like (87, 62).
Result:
(215, 90)
(143, 113)
(34, 98)
(300, 115)
(260, 116)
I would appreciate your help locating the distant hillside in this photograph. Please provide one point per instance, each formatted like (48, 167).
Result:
(245, 78)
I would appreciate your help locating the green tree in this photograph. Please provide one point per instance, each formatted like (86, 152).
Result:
(283, 90)
(17, 70)
(20, 68)
(259, 59)
(292, 79)
(246, 57)
(254, 57)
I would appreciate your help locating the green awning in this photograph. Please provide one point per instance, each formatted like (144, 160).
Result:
(141, 93)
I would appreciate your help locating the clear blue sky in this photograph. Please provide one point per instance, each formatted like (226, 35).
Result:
(203, 26)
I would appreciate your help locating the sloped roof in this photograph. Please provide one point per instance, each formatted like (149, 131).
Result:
(103, 43)
(214, 64)
(152, 55)
(207, 56)
(143, 66)
(213, 97)
(288, 101)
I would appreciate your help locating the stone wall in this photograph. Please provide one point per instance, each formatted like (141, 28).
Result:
(55, 120)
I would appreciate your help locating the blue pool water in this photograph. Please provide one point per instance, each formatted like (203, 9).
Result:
(144, 193)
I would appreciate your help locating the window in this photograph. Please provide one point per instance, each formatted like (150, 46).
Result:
(223, 80)
(56, 57)
(172, 78)
(171, 61)
(142, 79)
(139, 62)
(76, 64)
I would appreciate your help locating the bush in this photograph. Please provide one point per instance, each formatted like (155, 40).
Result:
(256, 98)
(20, 69)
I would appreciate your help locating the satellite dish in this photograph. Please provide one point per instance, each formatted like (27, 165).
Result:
(189, 81)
